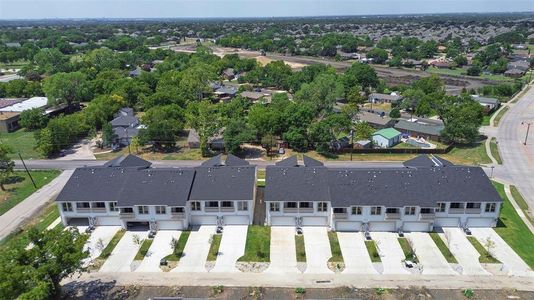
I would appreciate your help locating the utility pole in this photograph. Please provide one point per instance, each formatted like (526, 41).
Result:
(526, 136)
(27, 171)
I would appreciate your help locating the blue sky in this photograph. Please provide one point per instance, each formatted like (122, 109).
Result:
(32, 9)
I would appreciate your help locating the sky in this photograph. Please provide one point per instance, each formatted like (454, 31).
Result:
(45, 9)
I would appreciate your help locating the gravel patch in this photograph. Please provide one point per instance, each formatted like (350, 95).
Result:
(252, 267)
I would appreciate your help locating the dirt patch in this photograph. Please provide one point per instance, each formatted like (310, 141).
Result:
(108, 290)
(263, 60)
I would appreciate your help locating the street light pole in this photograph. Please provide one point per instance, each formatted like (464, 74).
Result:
(492, 167)
(526, 136)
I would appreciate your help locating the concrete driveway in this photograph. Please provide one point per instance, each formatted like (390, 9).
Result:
(318, 250)
(512, 262)
(161, 247)
(390, 252)
(98, 240)
(79, 151)
(463, 250)
(124, 253)
(357, 260)
(429, 255)
(283, 251)
(196, 250)
(231, 249)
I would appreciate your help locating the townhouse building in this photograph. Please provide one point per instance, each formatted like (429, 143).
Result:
(129, 192)
(423, 194)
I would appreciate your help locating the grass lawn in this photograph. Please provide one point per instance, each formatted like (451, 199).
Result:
(485, 257)
(499, 116)
(521, 202)
(40, 222)
(143, 249)
(258, 246)
(114, 241)
(373, 251)
(473, 154)
(335, 248)
(409, 254)
(21, 141)
(214, 248)
(301, 249)
(179, 248)
(355, 157)
(22, 187)
(486, 119)
(495, 150)
(454, 72)
(14, 65)
(443, 248)
(513, 230)
(261, 177)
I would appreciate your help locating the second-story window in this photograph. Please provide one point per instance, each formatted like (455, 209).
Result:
(409, 210)
(490, 207)
(113, 206)
(376, 210)
(66, 206)
(142, 210)
(356, 210)
(274, 206)
(227, 204)
(161, 210)
(83, 205)
(457, 205)
(290, 205)
(127, 210)
(471, 205)
(242, 205)
(195, 206)
(177, 210)
(441, 207)
(322, 206)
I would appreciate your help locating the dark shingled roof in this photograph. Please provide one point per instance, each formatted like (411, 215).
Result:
(213, 162)
(128, 161)
(291, 161)
(422, 184)
(234, 161)
(124, 121)
(129, 186)
(310, 162)
(224, 183)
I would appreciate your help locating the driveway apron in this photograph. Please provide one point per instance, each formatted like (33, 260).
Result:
(231, 249)
(355, 255)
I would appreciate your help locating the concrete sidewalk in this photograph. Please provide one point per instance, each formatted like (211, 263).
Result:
(16, 216)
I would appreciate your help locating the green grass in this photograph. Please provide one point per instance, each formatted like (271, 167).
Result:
(301, 249)
(486, 119)
(337, 256)
(443, 248)
(485, 257)
(257, 247)
(14, 65)
(495, 151)
(143, 250)
(214, 248)
(521, 202)
(513, 230)
(180, 246)
(112, 244)
(409, 254)
(373, 251)
(23, 187)
(499, 116)
(40, 222)
(260, 178)
(472, 154)
(21, 141)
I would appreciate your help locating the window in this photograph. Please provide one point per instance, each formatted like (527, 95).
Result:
(427, 210)
(356, 210)
(274, 206)
(113, 206)
(227, 204)
(83, 205)
(340, 210)
(213, 204)
(142, 210)
(442, 207)
(127, 210)
(490, 207)
(99, 205)
(195, 206)
(376, 210)
(161, 210)
(242, 206)
(471, 205)
(409, 210)
(177, 210)
(66, 206)
(392, 210)
(290, 205)
(457, 205)
(322, 206)
(305, 205)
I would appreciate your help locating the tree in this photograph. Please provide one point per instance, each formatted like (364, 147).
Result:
(135, 144)
(360, 74)
(462, 117)
(51, 61)
(363, 131)
(45, 142)
(204, 117)
(33, 119)
(6, 165)
(102, 59)
(36, 272)
(322, 92)
(163, 124)
(320, 135)
(296, 138)
(474, 70)
(236, 133)
(67, 88)
(378, 55)
(108, 135)
(395, 113)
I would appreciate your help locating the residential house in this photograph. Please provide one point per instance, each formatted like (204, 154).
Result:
(422, 195)
(514, 73)
(489, 104)
(420, 129)
(522, 65)
(193, 139)
(376, 120)
(9, 121)
(254, 96)
(128, 192)
(387, 137)
(125, 127)
(216, 142)
(20, 106)
(392, 98)
(229, 74)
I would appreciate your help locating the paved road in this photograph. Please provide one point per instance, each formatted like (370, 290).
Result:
(518, 159)
(16, 216)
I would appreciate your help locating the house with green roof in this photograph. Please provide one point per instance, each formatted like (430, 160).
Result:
(387, 137)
